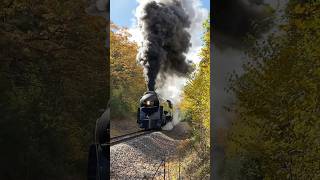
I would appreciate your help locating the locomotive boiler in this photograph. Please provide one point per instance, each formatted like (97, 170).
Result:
(154, 111)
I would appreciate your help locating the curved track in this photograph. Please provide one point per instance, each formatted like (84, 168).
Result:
(127, 137)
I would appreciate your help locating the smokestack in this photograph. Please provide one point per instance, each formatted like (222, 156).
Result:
(164, 26)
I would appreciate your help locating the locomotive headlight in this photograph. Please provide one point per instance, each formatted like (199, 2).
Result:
(148, 103)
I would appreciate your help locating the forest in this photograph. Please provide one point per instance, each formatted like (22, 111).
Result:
(127, 81)
(55, 82)
(195, 108)
(53, 86)
(275, 132)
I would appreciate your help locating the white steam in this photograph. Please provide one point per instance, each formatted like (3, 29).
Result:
(176, 119)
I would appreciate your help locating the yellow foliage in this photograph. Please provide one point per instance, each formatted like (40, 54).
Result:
(196, 97)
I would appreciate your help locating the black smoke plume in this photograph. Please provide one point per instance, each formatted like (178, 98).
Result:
(233, 20)
(165, 40)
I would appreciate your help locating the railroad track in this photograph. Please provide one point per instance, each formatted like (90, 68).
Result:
(127, 137)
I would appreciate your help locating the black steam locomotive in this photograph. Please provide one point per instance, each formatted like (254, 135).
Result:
(154, 112)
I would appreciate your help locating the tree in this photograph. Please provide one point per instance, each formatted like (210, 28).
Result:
(127, 80)
(196, 105)
(276, 133)
(53, 82)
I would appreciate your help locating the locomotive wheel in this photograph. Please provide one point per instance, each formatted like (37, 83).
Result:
(102, 127)
(98, 159)
(92, 163)
(98, 167)
(162, 117)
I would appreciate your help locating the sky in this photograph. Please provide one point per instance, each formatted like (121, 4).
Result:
(122, 11)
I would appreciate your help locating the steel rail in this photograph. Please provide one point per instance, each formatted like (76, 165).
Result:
(126, 134)
(127, 137)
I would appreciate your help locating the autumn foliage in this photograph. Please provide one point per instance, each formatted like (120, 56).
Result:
(196, 108)
(127, 81)
(53, 86)
(276, 133)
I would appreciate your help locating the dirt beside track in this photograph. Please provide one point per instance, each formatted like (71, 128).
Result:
(123, 126)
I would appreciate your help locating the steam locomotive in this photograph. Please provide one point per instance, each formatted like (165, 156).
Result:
(154, 112)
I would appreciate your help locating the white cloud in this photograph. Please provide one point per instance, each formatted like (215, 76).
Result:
(136, 35)
(197, 14)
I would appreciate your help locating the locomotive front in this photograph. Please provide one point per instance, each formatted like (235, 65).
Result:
(150, 113)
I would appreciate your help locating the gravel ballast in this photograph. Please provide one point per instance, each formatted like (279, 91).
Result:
(139, 158)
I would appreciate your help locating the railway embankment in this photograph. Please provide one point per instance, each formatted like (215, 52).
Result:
(144, 156)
